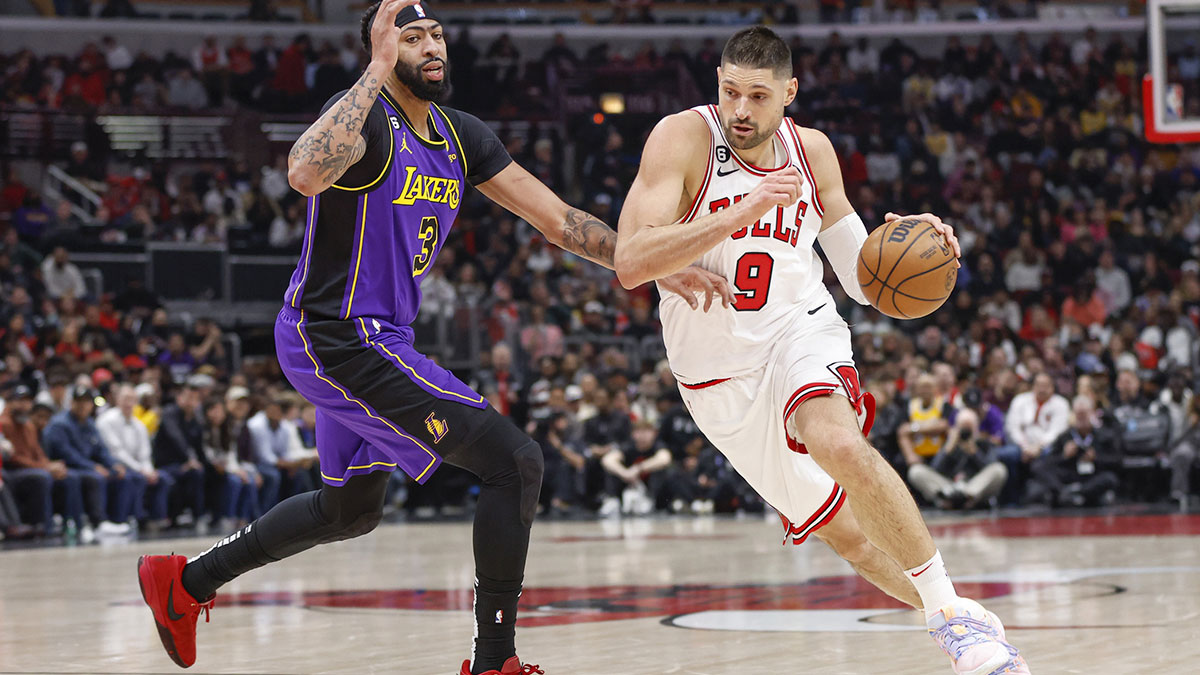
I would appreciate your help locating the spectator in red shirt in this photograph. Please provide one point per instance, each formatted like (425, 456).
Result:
(1085, 306)
(289, 83)
(241, 70)
(86, 86)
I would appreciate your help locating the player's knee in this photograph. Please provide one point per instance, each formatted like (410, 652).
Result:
(363, 523)
(837, 448)
(530, 468)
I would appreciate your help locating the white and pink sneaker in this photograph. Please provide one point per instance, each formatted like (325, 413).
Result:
(974, 640)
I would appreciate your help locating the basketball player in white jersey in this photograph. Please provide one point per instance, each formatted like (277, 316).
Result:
(771, 380)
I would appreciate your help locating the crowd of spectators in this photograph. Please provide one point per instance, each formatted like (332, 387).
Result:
(644, 11)
(1060, 373)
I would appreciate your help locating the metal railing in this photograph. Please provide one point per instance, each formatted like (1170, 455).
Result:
(59, 185)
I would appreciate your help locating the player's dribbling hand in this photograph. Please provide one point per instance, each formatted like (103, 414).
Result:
(689, 281)
(385, 36)
(945, 230)
(778, 188)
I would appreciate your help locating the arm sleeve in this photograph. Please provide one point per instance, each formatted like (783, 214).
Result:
(376, 131)
(841, 243)
(484, 153)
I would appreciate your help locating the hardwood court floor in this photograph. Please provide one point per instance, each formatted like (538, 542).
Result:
(1097, 595)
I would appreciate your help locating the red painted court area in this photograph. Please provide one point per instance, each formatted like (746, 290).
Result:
(557, 606)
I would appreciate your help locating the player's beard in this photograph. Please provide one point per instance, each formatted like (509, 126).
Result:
(420, 86)
(756, 139)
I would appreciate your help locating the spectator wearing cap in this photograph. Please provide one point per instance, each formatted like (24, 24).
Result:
(36, 479)
(61, 276)
(71, 436)
(178, 449)
(129, 442)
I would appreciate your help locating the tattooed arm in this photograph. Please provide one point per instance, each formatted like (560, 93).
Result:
(569, 228)
(334, 142)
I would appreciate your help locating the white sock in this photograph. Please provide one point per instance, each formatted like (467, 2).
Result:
(933, 584)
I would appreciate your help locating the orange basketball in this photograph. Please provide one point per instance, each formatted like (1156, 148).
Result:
(906, 268)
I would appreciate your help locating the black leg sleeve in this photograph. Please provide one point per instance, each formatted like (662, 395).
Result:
(296, 524)
(510, 466)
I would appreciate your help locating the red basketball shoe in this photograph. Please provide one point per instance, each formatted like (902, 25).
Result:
(176, 612)
(511, 667)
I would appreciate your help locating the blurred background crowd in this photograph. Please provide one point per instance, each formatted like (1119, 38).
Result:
(1060, 373)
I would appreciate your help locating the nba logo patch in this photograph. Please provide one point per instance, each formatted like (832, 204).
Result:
(437, 428)
(420, 11)
(499, 616)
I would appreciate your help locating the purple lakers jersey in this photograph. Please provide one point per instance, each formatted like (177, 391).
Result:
(371, 237)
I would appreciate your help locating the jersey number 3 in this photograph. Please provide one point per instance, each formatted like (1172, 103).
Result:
(753, 281)
(429, 238)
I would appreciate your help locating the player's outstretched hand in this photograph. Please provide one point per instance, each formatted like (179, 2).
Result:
(385, 36)
(689, 281)
(946, 230)
(778, 188)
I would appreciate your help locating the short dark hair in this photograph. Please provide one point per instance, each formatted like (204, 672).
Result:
(368, 17)
(758, 47)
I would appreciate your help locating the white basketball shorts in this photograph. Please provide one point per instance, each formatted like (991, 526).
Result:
(746, 418)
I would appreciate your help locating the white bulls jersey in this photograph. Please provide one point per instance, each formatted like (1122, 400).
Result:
(775, 272)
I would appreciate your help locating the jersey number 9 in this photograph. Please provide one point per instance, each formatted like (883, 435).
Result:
(753, 281)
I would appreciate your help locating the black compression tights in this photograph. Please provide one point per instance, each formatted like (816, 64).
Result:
(509, 465)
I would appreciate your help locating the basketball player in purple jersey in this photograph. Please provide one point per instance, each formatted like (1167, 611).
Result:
(384, 169)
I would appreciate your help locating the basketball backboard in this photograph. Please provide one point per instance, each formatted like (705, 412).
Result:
(1171, 90)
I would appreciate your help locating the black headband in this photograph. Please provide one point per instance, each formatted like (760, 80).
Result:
(414, 13)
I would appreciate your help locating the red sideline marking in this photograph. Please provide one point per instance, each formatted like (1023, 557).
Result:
(1169, 525)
